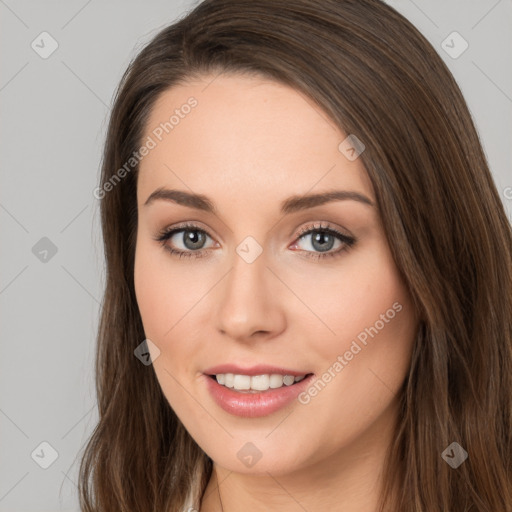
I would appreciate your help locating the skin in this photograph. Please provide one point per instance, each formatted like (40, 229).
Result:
(249, 144)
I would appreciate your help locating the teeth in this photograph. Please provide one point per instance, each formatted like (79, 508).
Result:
(288, 380)
(228, 378)
(256, 382)
(241, 382)
(260, 382)
(275, 381)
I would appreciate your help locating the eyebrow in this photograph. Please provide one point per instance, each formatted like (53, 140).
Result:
(291, 205)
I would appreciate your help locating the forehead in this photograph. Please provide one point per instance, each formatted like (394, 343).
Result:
(245, 135)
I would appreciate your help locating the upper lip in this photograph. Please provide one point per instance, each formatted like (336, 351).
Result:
(260, 369)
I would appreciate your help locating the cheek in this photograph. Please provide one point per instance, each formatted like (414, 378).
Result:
(367, 359)
(375, 325)
(165, 294)
(168, 300)
(164, 298)
(349, 300)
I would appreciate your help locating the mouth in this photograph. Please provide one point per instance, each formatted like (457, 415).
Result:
(242, 400)
(252, 384)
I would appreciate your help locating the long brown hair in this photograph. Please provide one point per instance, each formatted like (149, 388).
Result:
(376, 76)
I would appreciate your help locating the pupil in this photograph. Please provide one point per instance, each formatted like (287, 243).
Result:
(193, 239)
(321, 239)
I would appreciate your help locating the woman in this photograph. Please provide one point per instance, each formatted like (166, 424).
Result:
(309, 282)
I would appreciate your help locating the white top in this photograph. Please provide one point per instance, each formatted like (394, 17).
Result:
(190, 504)
(193, 498)
(189, 507)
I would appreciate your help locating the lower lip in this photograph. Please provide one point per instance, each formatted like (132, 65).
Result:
(254, 405)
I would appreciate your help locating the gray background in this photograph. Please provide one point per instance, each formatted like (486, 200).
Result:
(54, 115)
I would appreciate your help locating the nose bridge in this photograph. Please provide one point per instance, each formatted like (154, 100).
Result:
(249, 302)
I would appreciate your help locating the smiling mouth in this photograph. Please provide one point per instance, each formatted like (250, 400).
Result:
(257, 383)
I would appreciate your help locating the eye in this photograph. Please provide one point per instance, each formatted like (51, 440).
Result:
(189, 238)
(323, 240)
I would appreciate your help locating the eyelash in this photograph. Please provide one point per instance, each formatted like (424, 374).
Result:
(166, 234)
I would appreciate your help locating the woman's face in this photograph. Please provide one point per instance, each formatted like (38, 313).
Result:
(263, 281)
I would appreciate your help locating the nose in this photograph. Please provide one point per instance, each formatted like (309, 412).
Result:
(250, 304)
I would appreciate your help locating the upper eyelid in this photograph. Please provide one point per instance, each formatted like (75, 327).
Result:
(306, 230)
